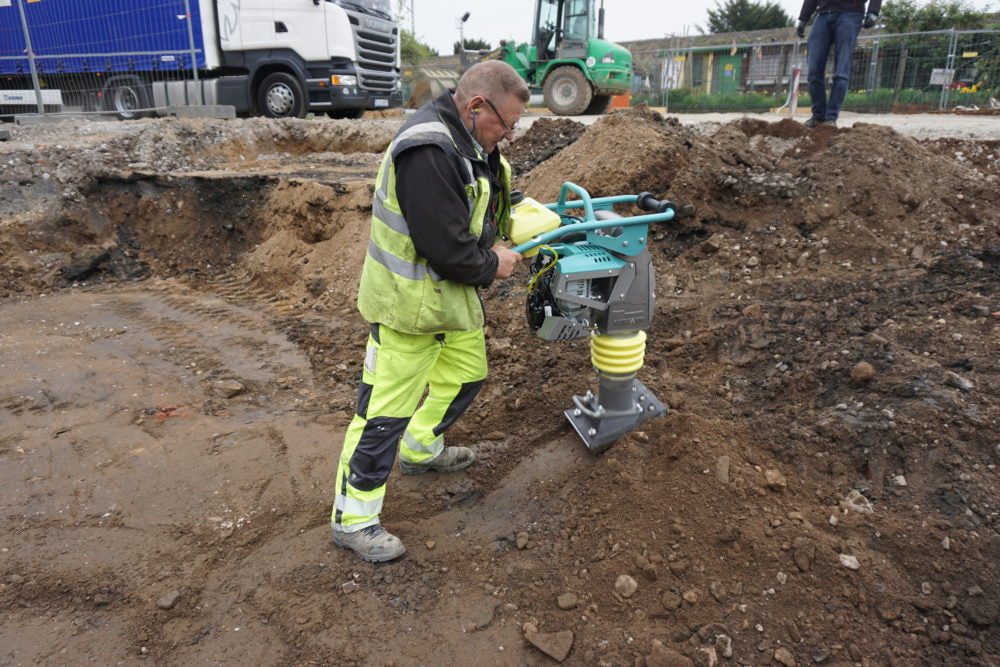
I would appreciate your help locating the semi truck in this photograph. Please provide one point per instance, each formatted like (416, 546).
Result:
(275, 58)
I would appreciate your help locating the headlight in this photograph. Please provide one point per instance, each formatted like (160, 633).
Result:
(344, 80)
(608, 59)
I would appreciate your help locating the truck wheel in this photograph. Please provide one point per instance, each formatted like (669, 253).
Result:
(126, 95)
(346, 113)
(280, 95)
(567, 92)
(598, 105)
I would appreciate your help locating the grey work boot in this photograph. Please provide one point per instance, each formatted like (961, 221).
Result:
(372, 543)
(814, 122)
(449, 460)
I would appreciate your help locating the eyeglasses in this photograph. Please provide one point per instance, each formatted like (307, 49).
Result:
(508, 130)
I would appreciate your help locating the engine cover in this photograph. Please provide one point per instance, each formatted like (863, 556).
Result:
(589, 288)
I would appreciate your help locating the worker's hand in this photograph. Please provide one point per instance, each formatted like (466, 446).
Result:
(870, 20)
(800, 29)
(507, 258)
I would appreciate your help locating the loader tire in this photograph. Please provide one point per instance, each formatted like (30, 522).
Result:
(567, 92)
(598, 105)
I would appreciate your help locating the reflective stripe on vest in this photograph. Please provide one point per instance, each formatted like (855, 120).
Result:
(402, 268)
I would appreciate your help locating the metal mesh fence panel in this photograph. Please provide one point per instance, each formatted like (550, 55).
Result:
(913, 72)
(99, 56)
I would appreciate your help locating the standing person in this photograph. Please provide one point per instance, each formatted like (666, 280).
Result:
(837, 24)
(442, 196)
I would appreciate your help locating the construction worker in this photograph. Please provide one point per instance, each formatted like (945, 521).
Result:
(442, 198)
(837, 24)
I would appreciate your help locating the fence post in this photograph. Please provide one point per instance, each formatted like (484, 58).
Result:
(871, 83)
(900, 74)
(950, 65)
(669, 58)
(194, 53)
(31, 60)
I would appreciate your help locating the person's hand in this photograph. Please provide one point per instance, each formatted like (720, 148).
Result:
(870, 20)
(507, 258)
(800, 29)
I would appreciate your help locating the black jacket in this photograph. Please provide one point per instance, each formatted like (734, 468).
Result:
(431, 193)
(834, 6)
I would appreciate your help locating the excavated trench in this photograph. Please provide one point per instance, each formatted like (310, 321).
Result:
(151, 225)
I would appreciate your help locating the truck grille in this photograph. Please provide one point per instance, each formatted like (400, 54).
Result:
(376, 54)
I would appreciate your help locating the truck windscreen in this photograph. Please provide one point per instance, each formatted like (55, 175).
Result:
(381, 8)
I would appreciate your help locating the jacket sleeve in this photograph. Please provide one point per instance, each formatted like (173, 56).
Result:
(808, 7)
(431, 194)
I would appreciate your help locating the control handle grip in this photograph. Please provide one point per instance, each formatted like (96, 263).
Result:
(648, 202)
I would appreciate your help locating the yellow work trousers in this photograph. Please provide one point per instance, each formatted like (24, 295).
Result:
(399, 368)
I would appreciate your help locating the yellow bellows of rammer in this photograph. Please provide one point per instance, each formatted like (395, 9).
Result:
(618, 354)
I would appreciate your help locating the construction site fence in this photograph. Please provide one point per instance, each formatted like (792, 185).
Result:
(120, 59)
(903, 73)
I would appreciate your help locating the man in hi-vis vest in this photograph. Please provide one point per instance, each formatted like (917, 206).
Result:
(442, 198)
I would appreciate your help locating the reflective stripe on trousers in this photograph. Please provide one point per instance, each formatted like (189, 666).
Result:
(398, 368)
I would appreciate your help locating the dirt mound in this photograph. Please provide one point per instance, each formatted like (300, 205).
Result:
(783, 129)
(982, 155)
(823, 489)
(545, 138)
(865, 194)
(618, 154)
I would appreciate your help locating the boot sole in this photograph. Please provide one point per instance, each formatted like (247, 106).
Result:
(420, 470)
(369, 558)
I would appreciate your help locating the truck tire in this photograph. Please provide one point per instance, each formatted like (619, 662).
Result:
(126, 95)
(598, 105)
(280, 95)
(346, 113)
(567, 92)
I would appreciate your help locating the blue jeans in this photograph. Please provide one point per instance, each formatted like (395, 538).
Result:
(839, 30)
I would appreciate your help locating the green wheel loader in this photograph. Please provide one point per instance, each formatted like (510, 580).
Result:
(568, 59)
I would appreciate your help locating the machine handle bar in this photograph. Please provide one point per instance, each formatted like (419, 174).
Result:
(662, 212)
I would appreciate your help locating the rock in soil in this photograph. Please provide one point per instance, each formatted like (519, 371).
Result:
(556, 645)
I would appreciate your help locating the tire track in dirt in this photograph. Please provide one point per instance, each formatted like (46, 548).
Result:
(240, 287)
(218, 339)
(215, 492)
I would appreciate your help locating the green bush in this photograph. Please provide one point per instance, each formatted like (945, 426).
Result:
(880, 100)
(686, 100)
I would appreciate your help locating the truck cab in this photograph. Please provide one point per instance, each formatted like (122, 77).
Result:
(335, 56)
(276, 58)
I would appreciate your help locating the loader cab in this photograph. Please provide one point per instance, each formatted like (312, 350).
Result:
(562, 28)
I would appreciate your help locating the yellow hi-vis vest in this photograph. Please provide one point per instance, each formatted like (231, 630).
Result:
(398, 288)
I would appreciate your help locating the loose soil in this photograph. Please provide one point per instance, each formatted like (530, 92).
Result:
(181, 351)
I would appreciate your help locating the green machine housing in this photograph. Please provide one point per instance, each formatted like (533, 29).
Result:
(568, 58)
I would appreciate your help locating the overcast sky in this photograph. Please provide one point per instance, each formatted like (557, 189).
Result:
(625, 20)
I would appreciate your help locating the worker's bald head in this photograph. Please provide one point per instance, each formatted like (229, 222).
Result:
(492, 79)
